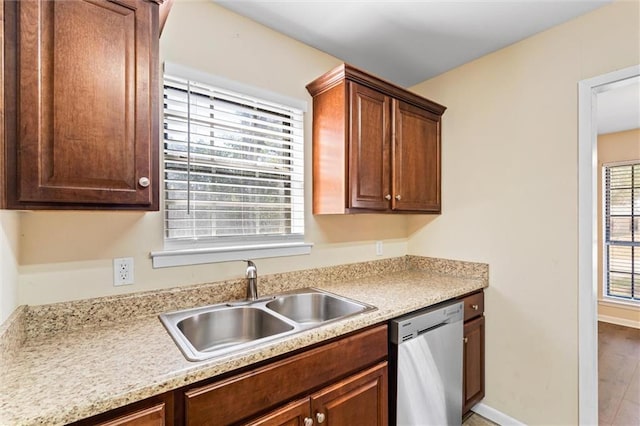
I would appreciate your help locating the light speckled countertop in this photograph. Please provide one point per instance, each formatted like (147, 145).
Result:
(66, 376)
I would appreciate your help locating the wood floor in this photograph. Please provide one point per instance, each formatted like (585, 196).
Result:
(618, 375)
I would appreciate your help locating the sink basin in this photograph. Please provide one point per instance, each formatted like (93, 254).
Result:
(307, 308)
(217, 330)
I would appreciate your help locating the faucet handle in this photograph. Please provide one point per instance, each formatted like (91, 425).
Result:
(252, 270)
(252, 281)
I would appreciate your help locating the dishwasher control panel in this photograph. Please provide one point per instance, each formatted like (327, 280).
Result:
(419, 322)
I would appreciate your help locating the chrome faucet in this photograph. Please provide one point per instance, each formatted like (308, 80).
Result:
(252, 281)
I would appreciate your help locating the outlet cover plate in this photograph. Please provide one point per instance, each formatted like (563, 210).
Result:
(123, 271)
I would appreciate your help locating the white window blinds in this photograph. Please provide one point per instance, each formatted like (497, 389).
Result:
(233, 166)
(622, 231)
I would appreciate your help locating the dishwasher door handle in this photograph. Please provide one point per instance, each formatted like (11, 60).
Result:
(434, 327)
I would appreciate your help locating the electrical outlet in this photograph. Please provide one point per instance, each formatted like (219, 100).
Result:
(378, 248)
(123, 271)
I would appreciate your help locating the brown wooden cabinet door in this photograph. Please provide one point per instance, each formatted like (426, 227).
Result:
(273, 384)
(293, 414)
(473, 363)
(86, 103)
(358, 400)
(153, 416)
(416, 159)
(369, 148)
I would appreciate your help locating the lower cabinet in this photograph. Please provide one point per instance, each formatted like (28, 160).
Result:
(358, 400)
(292, 414)
(473, 356)
(154, 411)
(340, 383)
(153, 416)
(343, 382)
(473, 363)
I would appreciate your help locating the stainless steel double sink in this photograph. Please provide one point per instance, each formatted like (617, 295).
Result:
(227, 328)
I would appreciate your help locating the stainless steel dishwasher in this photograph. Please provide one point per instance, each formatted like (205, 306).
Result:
(426, 356)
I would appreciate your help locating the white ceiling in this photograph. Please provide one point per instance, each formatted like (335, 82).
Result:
(619, 108)
(409, 41)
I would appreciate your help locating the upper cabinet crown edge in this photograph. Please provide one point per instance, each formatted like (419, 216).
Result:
(349, 72)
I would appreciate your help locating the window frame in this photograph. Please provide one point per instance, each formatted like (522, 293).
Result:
(192, 252)
(606, 243)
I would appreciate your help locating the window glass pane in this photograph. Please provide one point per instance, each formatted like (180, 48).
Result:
(622, 221)
(620, 228)
(620, 259)
(621, 177)
(620, 285)
(620, 201)
(233, 164)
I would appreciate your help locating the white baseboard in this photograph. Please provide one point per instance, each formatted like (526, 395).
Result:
(495, 416)
(619, 321)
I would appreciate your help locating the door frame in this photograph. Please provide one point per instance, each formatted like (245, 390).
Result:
(588, 238)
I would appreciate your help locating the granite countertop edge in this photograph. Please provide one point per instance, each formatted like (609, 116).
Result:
(381, 291)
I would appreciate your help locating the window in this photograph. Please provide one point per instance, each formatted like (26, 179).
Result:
(233, 169)
(622, 232)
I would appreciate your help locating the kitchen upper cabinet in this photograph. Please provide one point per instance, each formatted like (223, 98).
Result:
(376, 146)
(81, 85)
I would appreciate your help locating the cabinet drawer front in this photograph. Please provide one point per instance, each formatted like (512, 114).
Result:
(153, 416)
(247, 395)
(473, 305)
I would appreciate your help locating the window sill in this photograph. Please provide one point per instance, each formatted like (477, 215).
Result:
(633, 306)
(184, 257)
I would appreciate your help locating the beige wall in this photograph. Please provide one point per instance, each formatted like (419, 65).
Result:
(510, 196)
(615, 147)
(8, 263)
(67, 255)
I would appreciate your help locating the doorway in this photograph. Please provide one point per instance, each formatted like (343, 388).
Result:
(587, 238)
